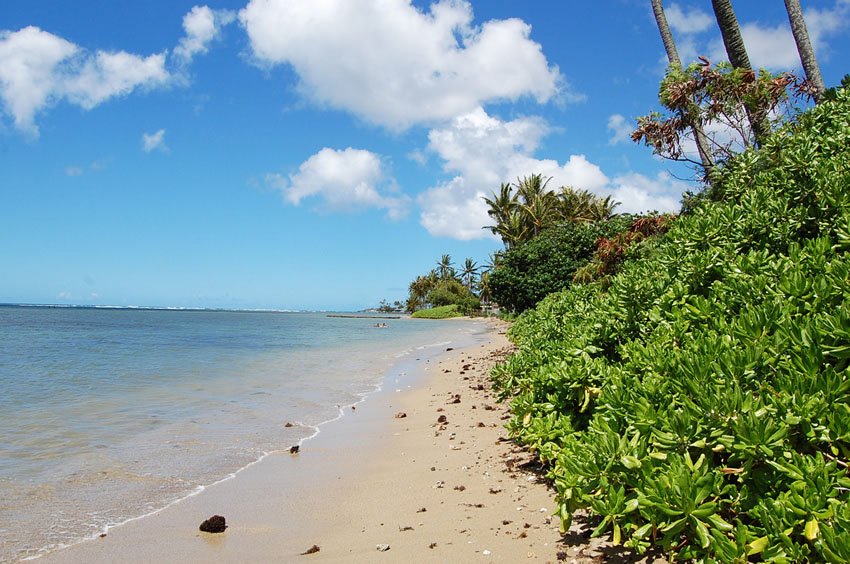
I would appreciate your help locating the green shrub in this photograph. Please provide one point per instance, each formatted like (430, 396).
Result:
(547, 263)
(700, 402)
(441, 312)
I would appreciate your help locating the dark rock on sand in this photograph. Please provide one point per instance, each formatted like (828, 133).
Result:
(294, 449)
(215, 524)
(312, 550)
(400, 415)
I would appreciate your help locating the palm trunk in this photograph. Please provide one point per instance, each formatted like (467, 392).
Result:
(804, 47)
(673, 57)
(737, 53)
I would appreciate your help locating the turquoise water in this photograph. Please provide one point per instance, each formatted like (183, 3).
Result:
(110, 414)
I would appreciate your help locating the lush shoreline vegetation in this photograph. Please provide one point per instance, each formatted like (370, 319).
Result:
(698, 401)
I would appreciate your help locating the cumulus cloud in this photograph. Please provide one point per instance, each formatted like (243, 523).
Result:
(768, 46)
(394, 65)
(683, 20)
(343, 180)
(638, 193)
(154, 141)
(773, 47)
(38, 69)
(201, 25)
(481, 151)
(620, 128)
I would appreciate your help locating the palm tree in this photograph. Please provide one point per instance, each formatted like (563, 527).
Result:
(501, 205)
(737, 53)
(484, 292)
(675, 61)
(602, 209)
(514, 230)
(445, 268)
(540, 211)
(530, 187)
(470, 270)
(804, 48)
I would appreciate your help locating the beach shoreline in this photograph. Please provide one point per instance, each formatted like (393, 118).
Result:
(422, 466)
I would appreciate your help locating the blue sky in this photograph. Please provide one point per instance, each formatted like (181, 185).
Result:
(321, 154)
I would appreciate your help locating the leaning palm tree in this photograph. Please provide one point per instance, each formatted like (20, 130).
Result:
(804, 48)
(673, 57)
(733, 41)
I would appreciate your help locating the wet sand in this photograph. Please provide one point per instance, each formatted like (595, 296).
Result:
(389, 473)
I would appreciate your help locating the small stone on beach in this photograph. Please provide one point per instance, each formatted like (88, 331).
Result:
(215, 524)
(294, 449)
(312, 550)
(400, 415)
(382, 547)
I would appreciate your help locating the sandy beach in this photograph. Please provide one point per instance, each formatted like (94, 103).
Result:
(419, 472)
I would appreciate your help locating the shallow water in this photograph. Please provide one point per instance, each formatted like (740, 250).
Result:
(110, 414)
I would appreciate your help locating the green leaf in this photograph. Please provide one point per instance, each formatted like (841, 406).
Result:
(630, 462)
(758, 546)
(702, 533)
(811, 529)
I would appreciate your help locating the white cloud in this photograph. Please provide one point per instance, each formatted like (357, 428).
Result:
(38, 69)
(344, 180)
(638, 193)
(768, 46)
(774, 47)
(28, 72)
(481, 152)
(391, 64)
(202, 25)
(154, 141)
(73, 170)
(106, 75)
(686, 21)
(620, 128)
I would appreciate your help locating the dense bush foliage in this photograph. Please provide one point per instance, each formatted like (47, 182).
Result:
(440, 312)
(529, 272)
(701, 402)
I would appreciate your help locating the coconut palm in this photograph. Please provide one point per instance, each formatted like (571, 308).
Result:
(484, 292)
(539, 211)
(675, 61)
(804, 48)
(501, 205)
(737, 53)
(469, 272)
(445, 268)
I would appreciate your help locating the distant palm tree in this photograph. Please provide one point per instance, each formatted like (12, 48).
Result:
(804, 48)
(470, 270)
(484, 292)
(445, 268)
(733, 41)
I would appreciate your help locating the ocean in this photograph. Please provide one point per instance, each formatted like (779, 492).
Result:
(109, 414)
